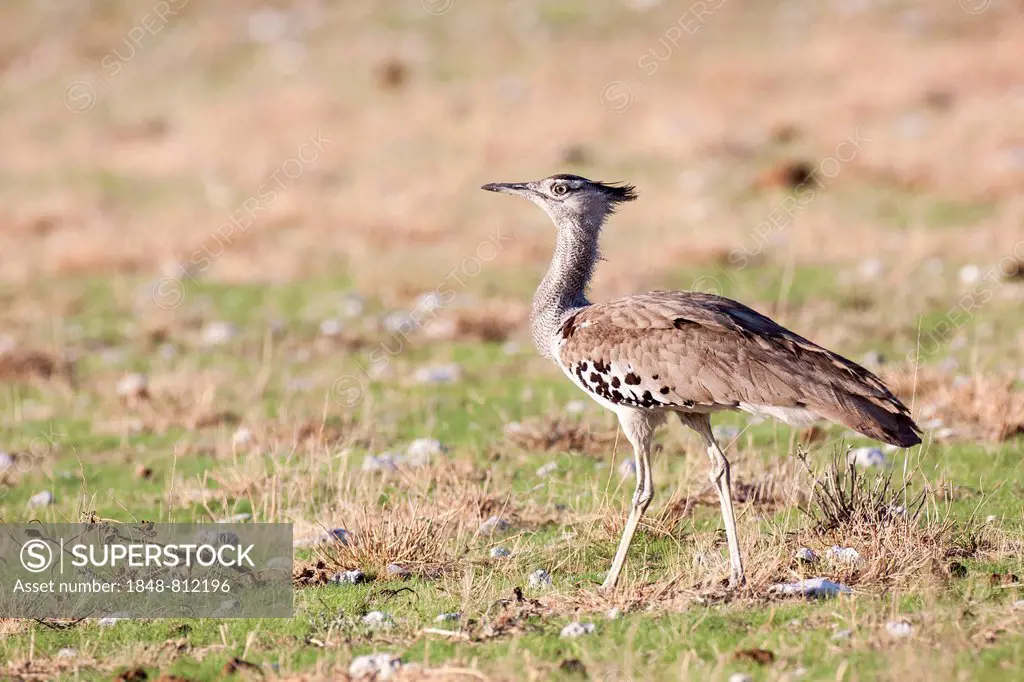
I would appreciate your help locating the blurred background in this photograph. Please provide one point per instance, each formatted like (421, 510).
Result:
(785, 151)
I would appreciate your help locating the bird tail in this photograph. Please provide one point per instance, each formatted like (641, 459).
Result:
(884, 419)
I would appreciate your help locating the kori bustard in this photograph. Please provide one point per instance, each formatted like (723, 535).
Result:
(684, 353)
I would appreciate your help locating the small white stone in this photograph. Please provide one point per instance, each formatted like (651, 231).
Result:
(575, 406)
(740, 677)
(334, 535)
(510, 348)
(812, 587)
(353, 577)
(500, 553)
(215, 538)
(377, 619)
(576, 629)
(337, 535)
(43, 498)
(227, 608)
(547, 469)
(840, 635)
(397, 570)
(240, 517)
(494, 526)
(379, 666)
(899, 629)
(352, 305)
(897, 510)
(67, 652)
(991, 518)
(448, 617)
(805, 554)
(871, 268)
(242, 438)
(845, 555)
(422, 450)
(399, 322)
(430, 302)
(6, 461)
(1018, 605)
(438, 374)
(279, 563)
(132, 385)
(627, 468)
(383, 462)
(539, 578)
(969, 274)
(218, 333)
(110, 621)
(331, 327)
(613, 613)
(866, 458)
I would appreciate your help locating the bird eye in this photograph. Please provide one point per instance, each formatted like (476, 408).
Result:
(560, 189)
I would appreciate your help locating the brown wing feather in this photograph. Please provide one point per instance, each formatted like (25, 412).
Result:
(681, 349)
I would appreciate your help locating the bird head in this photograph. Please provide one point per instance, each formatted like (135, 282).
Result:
(570, 197)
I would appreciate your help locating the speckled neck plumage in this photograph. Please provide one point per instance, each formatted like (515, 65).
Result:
(564, 287)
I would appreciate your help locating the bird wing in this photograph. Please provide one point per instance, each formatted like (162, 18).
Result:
(693, 350)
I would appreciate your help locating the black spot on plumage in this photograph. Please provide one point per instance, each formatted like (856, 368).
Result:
(583, 366)
(632, 379)
(654, 376)
(595, 378)
(664, 390)
(615, 382)
(616, 396)
(648, 396)
(687, 403)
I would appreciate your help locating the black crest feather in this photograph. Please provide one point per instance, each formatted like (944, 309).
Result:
(616, 192)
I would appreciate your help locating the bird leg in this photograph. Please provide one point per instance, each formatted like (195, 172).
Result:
(720, 478)
(638, 430)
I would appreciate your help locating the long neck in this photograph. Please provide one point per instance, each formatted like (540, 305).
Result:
(564, 287)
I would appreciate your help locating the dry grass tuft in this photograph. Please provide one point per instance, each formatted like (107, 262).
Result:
(423, 540)
(490, 323)
(900, 538)
(17, 365)
(841, 497)
(986, 407)
(559, 434)
(979, 407)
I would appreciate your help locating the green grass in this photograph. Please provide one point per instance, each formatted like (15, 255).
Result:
(92, 468)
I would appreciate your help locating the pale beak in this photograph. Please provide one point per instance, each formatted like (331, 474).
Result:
(520, 188)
